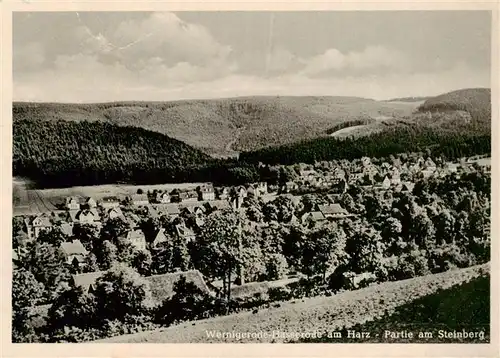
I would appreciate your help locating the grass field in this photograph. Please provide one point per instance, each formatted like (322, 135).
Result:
(29, 201)
(317, 314)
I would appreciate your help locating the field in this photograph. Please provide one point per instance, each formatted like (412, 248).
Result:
(319, 314)
(224, 127)
(33, 201)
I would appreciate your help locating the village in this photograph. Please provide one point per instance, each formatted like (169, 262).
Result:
(331, 179)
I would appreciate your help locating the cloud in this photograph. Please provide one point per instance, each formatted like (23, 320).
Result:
(372, 58)
(162, 83)
(28, 57)
(162, 35)
(158, 56)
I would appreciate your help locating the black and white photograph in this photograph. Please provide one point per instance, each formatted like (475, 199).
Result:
(251, 177)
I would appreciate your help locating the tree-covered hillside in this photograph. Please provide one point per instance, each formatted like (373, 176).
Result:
(62, 153)
(395, 139)
(475, 101)
(227, 125)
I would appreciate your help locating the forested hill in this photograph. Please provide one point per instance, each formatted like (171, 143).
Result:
(393, 140)
(475, 101)
(225, 126)
(61, 153)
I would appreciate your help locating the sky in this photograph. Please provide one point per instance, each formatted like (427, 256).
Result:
(160, 56)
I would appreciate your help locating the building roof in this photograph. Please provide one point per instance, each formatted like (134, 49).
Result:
(135, 235)
(332, 209)
(183, 230)
(86, 212)
(74, 247)
(67, 229)
(43, 219)
(139, 197)
(116, 210)
(219, 204)
(314, 216)
(86, 279)
(170, 209)
(162, 286)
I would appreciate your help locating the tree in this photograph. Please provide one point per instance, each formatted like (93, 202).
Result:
(276, 266)
(187, 304)
(285, 209)
(270, 211)
(114, 228)
(90, 264)
(365, 249)
(26, 290)
(422, 231)
(121, 291)
(293, 245)
(150, 228)
(53, 237)
(445, 225)
(324, 250)
(219, 247)
(107, 254)
(142, 261)
(73, 308)
(87, 234)
(48, 266)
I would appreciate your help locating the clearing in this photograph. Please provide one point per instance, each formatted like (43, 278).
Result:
(29, 201)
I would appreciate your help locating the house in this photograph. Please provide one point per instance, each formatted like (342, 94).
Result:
(223, 193)
(131, 218)
(160, 237)
(139, 199)
(188, 196)
(162, 286)
(366, 161)
(407, 186)
(72, 203)
(90, 203)
(262, 188)
(394, 178)
(206, 192)
(66, 229)
(87, 216)
(313, 216)
(114, 213)
(109, 202)
(185, 232)
(429, 164)
(74, 252)
(289, 186)
(385, 184)
(137, 239)
(217, 205)
(163, 198)
(236, 202)
(87, 281)
(151, 211)
(333, 211)
(239, 191)
(40, 223)
(171, 210)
